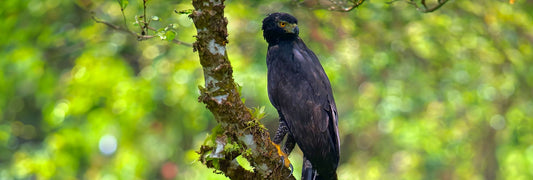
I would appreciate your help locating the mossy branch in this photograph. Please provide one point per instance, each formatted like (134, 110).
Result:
(238, 128)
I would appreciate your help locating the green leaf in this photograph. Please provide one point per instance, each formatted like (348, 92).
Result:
(239, 88)
(244, 163)
(186, 11)
(173, 26)
(170, 35)
(155, 18)
(123, 4)
(216, 131)
(248, 152)
(232, 147)
(216, 164)
(161, 33)
(259, 113)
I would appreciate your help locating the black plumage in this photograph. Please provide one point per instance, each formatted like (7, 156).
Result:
(300, 90)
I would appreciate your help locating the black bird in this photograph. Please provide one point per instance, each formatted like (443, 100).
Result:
(300, 90)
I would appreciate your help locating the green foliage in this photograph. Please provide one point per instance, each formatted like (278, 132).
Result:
(232, 146)
(166, 33)
(444, 95)
(185, 11)
(244, 163)
(258, 113)
(215, 132)
(123, 4)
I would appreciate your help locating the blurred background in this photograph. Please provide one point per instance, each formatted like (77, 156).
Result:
(444, 95)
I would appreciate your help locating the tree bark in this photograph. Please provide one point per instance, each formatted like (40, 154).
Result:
(238, 133)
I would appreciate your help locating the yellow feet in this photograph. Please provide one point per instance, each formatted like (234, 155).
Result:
(284, 157)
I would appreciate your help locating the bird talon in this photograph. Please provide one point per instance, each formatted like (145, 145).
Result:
(292, 169)
(284, 160)
(290, 165)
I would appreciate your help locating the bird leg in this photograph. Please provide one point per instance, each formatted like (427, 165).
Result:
(289, 144)
(288, 147)
(308, 173)
(283, 129)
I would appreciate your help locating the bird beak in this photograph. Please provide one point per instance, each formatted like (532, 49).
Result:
(292, 28)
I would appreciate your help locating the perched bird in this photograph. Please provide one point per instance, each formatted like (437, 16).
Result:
(301, 92)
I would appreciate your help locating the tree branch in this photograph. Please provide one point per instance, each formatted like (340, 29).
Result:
(238, 133)
(343, 8)
(424, 7)
(145, 23)
(138, 36)
(333, 5)
(440, 4)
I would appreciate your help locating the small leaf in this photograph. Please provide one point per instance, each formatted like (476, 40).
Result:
(97, 18)
(186, 11)
(162, 36)
(216, 164)
(244, 163)
(173, 26)
(155, 18)
(259, 113)
(248, 152)
(239, 88)
(161, 33)
(170, 35)
(123, 4)
(216, 131)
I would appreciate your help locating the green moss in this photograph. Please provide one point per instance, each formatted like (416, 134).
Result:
(258, 113)
(232, 146)
(211, 138)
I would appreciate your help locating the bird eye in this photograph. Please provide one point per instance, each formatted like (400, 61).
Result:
(282, 24)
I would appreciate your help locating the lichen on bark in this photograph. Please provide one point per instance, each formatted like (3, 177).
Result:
(237, 127)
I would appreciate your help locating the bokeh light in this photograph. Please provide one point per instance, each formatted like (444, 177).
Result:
(107, 144)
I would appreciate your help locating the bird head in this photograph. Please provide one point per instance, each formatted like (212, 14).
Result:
(280, 26)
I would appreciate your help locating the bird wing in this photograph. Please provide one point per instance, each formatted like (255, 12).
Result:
(328, 102)
(300, 89)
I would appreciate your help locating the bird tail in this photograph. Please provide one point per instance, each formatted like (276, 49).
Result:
(328, 177)
(308, 173)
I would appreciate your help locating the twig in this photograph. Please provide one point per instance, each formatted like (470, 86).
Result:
(440, 4)
(175, 41)
(144, 16)
(139, 36)
(112, 26)
(123, 14)
(336, 5)
(151, 28)
(345, 9)
(425, 8)
(393, 1)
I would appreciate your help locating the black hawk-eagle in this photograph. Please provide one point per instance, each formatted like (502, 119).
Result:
(301, 92)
